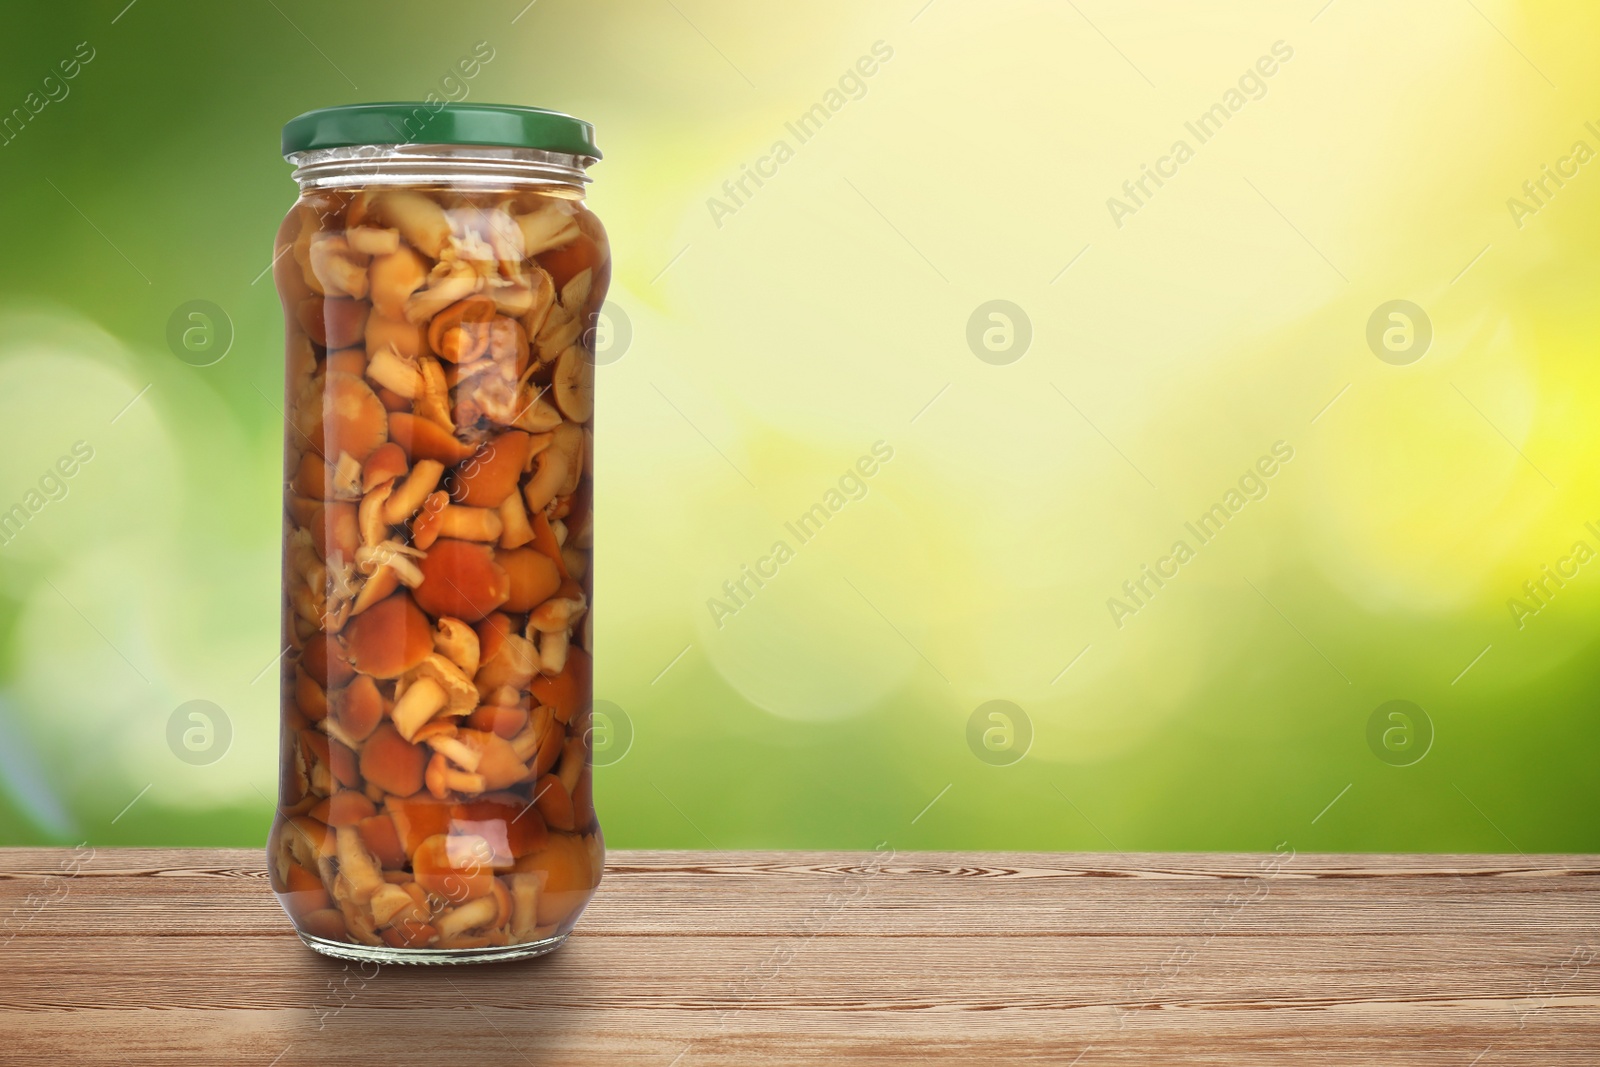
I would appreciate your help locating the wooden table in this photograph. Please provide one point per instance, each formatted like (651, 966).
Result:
(172, 957)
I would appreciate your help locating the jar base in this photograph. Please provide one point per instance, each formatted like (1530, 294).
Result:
(340, 950)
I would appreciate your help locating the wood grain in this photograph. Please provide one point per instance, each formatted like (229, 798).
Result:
(177, 957)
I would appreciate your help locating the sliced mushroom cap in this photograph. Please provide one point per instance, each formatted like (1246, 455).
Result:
(574, 758)
(457, 751)
(391, 903)
(420, 220)
(383, 840)
(416, 818)
(433, 402)
(515, 531)
(353, 420)
(409, 495)
(346, 807)
(497, 761)
(348, 361)
(409, 933)
(533, 575)
(573, 380)
(454, 923)
(436, 687)
(335, 531)
(309, 697)
(552, 472)
(407, 339)
(324, 923)
(567, 876)
(509, 660)
(461, 695)
(356, 864)
(561, 328)
(374, 530)
(514, 299)
(550, 796)
(300, 249)
(333, 322)
(548, 754)
(557, 614)
(341, 270)
(286, 267)
(470, 524)
(345, 479)
(447, 283)
(507, 720)
(530, 739)
(390, 638)
(299, 888)
(524, 906)
(553, 649)
(357, 708)
(325, 659)
(568, 440)
(425, 439)
(460, 333)
(427, 524)
(454, 867)
(575, 291)
(386, 463)
(537, 415)
(372, 240)
(401, 375)
(443, 778)
(586, 253)
(312, 477)
(343, 763)
(544, 299)
(492, 472)
(550, 226)
(392, 763)
(307, 841)
(462, 580)
(457, 641)
(566, 693)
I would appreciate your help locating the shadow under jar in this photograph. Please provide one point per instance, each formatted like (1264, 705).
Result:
(439, 299)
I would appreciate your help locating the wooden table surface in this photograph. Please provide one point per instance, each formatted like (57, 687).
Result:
(175, 957)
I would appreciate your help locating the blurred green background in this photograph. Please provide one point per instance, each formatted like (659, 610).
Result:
(1337, 157)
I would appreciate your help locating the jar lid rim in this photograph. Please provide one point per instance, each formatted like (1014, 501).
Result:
(418, 122)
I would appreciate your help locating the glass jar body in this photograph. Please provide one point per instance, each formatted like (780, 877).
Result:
(435, 799)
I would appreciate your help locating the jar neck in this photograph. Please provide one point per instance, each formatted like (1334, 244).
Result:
(432, 164)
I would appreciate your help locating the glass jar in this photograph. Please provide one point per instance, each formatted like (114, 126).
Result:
(439, 295)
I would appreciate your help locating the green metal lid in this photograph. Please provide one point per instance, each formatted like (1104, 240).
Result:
(500, 125)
